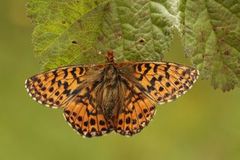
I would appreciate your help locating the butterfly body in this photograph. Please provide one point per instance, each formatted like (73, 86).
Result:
(98, 99)
(109, 91)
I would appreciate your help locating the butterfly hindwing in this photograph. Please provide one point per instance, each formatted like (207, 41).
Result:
(136, 113)
(85, 118)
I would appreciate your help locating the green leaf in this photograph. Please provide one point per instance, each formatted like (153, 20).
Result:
(140, 30)
(74, 32)
(212, 38)
(64, 30)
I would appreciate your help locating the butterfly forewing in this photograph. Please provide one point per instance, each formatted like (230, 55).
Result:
(54, 88)
(136, 113)
(164, 81)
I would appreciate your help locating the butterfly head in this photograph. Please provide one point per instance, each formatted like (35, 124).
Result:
(110, 57)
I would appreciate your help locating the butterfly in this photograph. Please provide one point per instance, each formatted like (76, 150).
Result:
(120, 97)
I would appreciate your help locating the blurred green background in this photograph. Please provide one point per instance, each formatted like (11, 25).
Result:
(203, 124)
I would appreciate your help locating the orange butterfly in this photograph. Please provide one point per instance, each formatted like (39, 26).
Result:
(98, 99)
